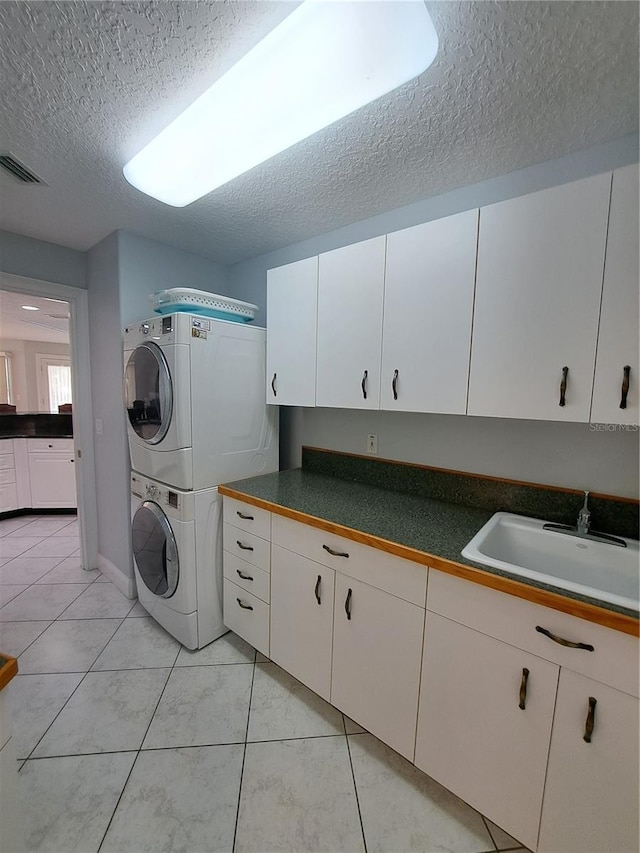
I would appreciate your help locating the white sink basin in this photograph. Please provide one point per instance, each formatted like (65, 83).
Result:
(520, 546)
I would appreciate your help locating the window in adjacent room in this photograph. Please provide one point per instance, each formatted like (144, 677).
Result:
(54, 382)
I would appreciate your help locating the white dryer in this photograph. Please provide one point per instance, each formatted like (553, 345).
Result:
(194, 393)
(177, 549)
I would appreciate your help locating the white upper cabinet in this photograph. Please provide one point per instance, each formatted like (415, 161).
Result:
(538, 289)
(292, 302)
(618, 336)
(428, 306)
(350, 293)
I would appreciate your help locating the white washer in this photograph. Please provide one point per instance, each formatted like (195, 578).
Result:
(177, 550)
(194, 392)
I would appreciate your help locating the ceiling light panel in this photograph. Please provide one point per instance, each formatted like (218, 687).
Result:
(325, 60)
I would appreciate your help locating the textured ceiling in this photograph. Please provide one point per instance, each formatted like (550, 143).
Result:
(86, 85)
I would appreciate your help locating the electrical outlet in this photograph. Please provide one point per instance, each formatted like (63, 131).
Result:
(372, 444)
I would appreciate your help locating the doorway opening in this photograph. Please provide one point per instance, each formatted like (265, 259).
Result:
(46, 363)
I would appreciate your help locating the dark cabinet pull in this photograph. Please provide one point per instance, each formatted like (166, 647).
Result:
(625, 386)
(243, 605)
(347, 604)
(243, 547)
(317, 589)
(242, 515)
(394, 384)
(591, 718)
(523, 689)
(273, 385)
(568, 643)
(335, 553)
(563, 386)
(364, 384)
(244, 577)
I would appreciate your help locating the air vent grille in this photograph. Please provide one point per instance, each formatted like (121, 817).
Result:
(9, 163)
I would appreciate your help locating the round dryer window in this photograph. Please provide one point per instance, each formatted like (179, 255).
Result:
(148, 392)
(155, 550)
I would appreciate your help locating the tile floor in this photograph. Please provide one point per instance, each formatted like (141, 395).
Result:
(128, 742)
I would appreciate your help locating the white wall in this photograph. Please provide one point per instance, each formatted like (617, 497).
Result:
(557, 454)
(569, 455)
(24, 369)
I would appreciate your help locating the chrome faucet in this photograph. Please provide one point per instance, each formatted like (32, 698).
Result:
(583, 522)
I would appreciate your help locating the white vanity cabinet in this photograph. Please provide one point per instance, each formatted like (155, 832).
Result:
(537, 304)
(617, 361)
(52, 475)
(302, 594)
(350, 295)
(428, 307)
(486, 710)
(474, 738)
(292, 308)
(591, 793)
(246, 564)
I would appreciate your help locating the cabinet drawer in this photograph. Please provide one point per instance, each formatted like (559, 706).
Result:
(384, 571)
(8, 497)
(7, 475)
(7, 462)
(249, 577)
(6, 445)
(247, 616)
(247, 546)
(614, 660)
(63, 445)
(247, 517)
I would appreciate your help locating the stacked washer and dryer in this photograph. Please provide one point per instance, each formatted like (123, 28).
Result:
(197, 417)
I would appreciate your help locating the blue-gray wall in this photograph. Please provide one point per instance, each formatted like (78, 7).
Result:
(560, 454)
(147, 266)
(110, 450)
(31, 258)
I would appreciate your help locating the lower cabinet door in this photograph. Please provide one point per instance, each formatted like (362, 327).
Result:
(484, 725)
(591, 795)
(302, 618)
(53, 480)
(377, 645)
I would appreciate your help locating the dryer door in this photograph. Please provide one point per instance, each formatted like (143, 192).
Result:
(155, 550)
(148, 392)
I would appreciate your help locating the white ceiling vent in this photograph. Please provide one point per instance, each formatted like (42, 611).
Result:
(15, 168)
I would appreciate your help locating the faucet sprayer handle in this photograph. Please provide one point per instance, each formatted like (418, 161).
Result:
(586, 498)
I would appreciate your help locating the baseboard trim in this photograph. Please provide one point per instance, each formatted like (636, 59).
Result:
(127, 586)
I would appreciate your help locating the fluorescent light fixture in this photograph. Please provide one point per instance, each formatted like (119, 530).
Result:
(325, 60)
(29, 308)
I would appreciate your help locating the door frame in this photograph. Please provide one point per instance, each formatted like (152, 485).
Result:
(78, 300)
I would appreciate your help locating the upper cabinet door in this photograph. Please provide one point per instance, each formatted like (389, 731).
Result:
(618, 336)
(428, 307)
(538, 288)
(292, 305)
(350, 292)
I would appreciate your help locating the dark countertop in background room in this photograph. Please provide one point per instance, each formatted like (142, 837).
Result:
(429, 511)
(35, 425)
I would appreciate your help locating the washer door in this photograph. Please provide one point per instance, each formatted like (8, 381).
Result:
(148, 392)
(155, 550)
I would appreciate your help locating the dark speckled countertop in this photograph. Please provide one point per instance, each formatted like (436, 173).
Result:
(433, 527)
